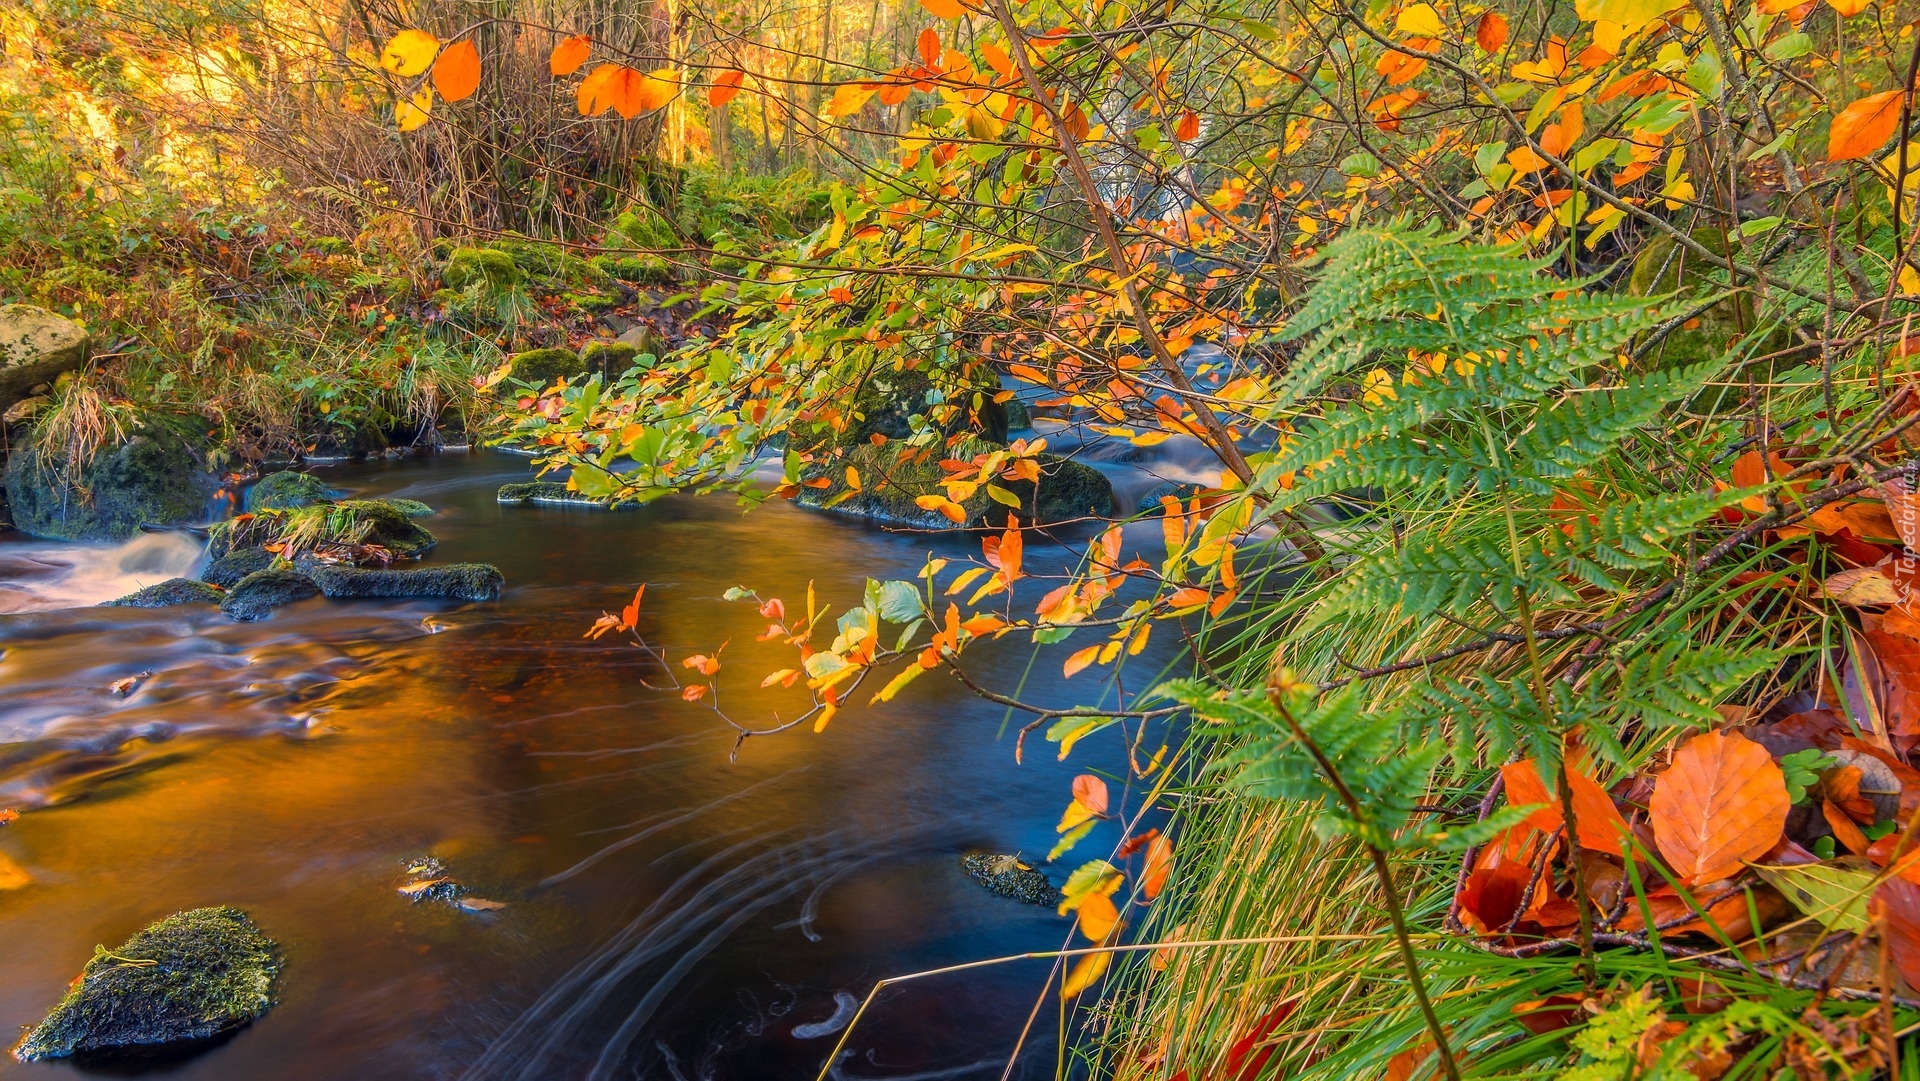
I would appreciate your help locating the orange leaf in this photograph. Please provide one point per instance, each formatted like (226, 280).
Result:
(1090, 968)
(1897, 904)
(1079, 661)
(1491, 34)
(1722, 802)
(630, 615)
(1188, 129)
(625, 90)
(1862, 127)
(1189, 597)
(706, 665)
(725, 86)
(694, 693)
(569, 55)
(1597, 820)
(1559, 137)
(1153, 878)
(997, 59)
(456, 75)
(1097, 916)
(952, 511)
(929, 46)
(1091, 792)
(944, 9)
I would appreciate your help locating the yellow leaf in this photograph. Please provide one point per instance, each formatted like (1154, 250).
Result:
(907, 675)
(409, 52)
(1085, 974)
(414, 112)
(1080, 660)
(1420, 21)
(1848, 8)
(1632, 14)
(1076, 813)
(1909, 280)
(784, 673)
(826, 714)
(848, 98)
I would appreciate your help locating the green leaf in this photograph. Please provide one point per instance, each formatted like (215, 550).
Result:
(1835, 894)
(1360, 164)
(900, 602)
(1073, 837)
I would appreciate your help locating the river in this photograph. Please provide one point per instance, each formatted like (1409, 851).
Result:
(669, 913)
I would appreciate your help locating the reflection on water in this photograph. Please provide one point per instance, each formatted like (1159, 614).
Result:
(669, 914)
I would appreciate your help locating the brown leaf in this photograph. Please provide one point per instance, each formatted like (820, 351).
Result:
(1903, 508)
(1894, 646)
(1722, 802)
(1896, 907)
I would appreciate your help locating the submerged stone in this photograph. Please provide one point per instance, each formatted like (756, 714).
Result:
(169, 593)
(546, 491)
(258, 594)
(191, 976)
(454, 581)
(287, 490)
(1008, 877)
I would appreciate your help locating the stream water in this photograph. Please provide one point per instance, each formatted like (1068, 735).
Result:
(669, 914)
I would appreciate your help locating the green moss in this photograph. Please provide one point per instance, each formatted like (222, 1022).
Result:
(1664, 267)
(610, 359)
(545, 491)
(637, 269)
(158, 476)
(493, 271)
(169, 593)
(385, 522)
(453, 581)
(258, 594)
(228, 568)
(412, 508)
(286, 490)
(191, 976)
(591, 302)
(542, 366)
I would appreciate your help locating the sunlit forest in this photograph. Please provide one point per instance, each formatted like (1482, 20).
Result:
(1213, 540)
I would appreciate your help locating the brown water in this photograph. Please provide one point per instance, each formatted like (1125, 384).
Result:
(669, 914)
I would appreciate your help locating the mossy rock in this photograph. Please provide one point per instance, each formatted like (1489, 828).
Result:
(169, 593)
(1664, 267)
(287, 490)
(550, 492)
(192, 976)
(894, 475)
(35, 347)
(1008, 877)
(255, 597)
(591, 302)
(541, 367)
(227, 569)
(635, 269)
(492, 271)
(159, 476)
(412, 508)
(454, 581)
(610, 359)
(1019, 417)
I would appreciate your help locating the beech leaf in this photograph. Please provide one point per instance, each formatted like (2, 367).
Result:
(408, 52)
(1722, 803)
(569, 55)
(456, 75)
(1864, 126)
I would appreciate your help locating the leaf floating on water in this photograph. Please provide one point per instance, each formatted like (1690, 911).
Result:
(416, 889)
(128, 684)
(480, 904)
(8, 815)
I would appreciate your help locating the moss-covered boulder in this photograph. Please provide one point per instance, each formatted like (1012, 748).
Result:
(258, 594)
(893, 476)
(286, 490)
(158, 476)
(227, 570)
(542, 366)
(609, 359)
(454, 581)
(36, 346)
(192, 976)
(169, 593)
(1664, 267)
(388, 523)
(492, 271)
(1010, 878)
(550, 492)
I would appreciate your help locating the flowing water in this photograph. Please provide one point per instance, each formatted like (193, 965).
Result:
(669, 913)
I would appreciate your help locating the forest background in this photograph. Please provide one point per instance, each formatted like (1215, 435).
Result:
(1551, 682)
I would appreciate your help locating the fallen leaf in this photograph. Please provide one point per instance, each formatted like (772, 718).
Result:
(1722, 802)
(8, 816)
(1897, 904)
(1903, 507)
(1596, 818)
(1835, 894)
(480, 904)
(1861, 587)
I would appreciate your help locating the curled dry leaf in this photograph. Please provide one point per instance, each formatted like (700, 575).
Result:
(1722, 802)
(1596, 819)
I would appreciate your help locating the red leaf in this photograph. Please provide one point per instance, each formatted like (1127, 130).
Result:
(630, 615)
(1897, 902)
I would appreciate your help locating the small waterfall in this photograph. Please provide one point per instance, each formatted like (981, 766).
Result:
(35, 576)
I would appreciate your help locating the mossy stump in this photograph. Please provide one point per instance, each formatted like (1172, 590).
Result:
(541, 367)
(192, 976)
